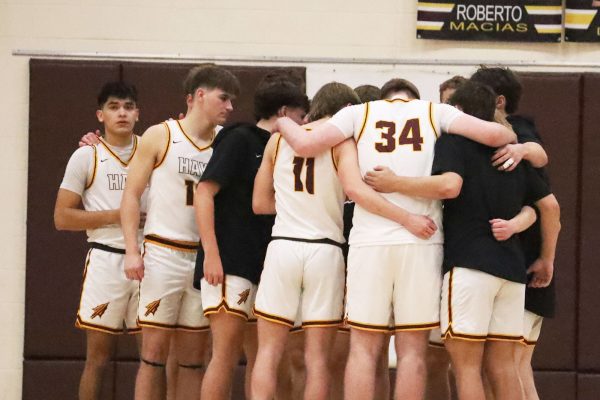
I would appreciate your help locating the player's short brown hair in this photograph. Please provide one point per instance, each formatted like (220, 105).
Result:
(275, 91)
(397, 85)
(476, 99)
(368, 93)
(211, 76)
(452, 83)
(331, 98)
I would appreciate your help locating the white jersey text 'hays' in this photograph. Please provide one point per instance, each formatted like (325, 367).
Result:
(98, 174)
(309, 198)
(172, 185)
(398, 134)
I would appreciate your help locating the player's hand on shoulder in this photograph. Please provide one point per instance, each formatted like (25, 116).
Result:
(542, 272)
(421, 226)
(134, 266)
(90, 139)
(506, 158)
(502, 229)
(381, 179)
(213, 269)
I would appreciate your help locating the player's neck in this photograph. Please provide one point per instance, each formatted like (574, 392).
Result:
(118, 139)
(197, 126)
(268, 124)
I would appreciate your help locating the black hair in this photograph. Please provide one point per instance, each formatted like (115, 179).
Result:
(475, 99)
(119, 89)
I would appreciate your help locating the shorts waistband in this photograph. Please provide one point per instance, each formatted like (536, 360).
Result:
(189, 246)
(321, 241)
(104, 247)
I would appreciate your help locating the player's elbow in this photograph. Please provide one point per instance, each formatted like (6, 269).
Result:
(261, 206)
(60, 222)
(450, 186)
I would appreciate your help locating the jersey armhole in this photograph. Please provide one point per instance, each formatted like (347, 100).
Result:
(437, 135)
(276, 149)
(168, 146)
(335, 166)
(364, 124)
(91, 182)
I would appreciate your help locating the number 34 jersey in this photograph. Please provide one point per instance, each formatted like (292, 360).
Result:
(398, 134)
(309, 198)
(172, 185)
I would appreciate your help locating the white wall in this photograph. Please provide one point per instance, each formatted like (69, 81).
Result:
(260, 29)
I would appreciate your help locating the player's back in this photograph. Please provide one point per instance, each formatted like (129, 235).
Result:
(172, 185)
(308, 195)
(398, 134)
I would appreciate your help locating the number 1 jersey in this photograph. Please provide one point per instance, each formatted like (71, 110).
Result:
(399, 134)
(172, 185)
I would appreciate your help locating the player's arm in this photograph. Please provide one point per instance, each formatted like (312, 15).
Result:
(445, 186)
(489, 133)
(543, 268)
(68, 215)
(503, 229)
(204, 206)
(263, 196)
(530, 151)
(322, 138)
(151, 150)
(349, 173)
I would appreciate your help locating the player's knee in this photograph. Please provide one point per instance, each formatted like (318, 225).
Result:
(97, 359)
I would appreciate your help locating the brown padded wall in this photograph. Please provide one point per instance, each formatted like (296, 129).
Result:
(588, 387)
(589, 315)
(62, 108)
(554, 101)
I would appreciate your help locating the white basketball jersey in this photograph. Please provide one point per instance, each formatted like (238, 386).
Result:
(105, 190)
(172, 185)
(401, 135)
(309, 198)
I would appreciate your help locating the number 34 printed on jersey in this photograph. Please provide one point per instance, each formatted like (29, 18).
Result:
(410, 135)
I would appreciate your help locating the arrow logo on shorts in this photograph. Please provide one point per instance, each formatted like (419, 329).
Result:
(152, 307)
(243, 296)
(99, 311)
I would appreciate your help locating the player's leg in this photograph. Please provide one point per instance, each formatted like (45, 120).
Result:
(250, 348)
(338, 360)
(505, 334)
(291, 374)
(411, 373)
(190, 349)
(365, 349)
(368, 304)
(467, 357)
(416, 302)
(99, 349)
(150, 382)
(382, 371)
(271, 346)
(317, 352)
(526, 373)
(438, 366)
(172, 370)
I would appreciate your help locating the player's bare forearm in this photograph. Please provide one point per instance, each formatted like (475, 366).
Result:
(535, 154)
(524, 219)
(445, 186)
(550, 226)
(130, 220)
(489, 133)
(68, 216)
(263, 196)
(204, 207)
(305, 144)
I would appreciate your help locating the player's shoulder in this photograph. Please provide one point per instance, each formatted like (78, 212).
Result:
(85, 151)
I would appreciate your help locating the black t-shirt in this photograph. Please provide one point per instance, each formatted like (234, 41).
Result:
(541, 301)
(486, 194)
(242, 236)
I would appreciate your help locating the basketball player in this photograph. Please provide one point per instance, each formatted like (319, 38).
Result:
(172, 157)
(484, 282)
(95, 176)
(400, 133)
(368, 93)
(448, 87)
(234, 239)
(539, 302)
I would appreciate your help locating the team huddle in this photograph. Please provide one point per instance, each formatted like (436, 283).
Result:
(345, 220)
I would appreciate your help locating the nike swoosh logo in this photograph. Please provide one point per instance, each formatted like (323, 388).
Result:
(175, 142)
(104, 160)
(258, 155)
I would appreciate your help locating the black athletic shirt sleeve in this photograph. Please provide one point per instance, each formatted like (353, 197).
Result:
(226, 159)
(448, 156)
(536, 187)
(525, 129)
